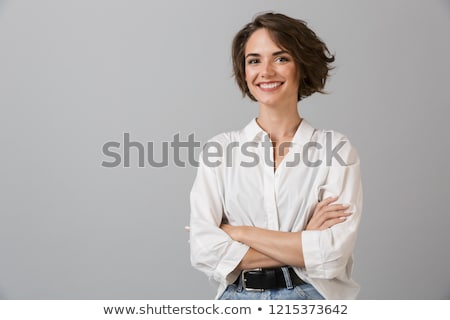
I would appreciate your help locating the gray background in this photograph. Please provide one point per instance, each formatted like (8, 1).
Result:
(76, 74)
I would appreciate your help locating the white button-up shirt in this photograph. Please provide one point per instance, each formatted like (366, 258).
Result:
(236, 183)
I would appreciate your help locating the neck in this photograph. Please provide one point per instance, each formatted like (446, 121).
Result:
(280, 123)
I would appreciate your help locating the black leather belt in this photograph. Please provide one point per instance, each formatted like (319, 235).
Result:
(261, 279)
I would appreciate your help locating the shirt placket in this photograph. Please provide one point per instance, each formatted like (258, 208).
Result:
(270, 204)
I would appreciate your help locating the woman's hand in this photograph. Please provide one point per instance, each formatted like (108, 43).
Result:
(327, 215)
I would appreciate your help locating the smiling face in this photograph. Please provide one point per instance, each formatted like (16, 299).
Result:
(270, 71)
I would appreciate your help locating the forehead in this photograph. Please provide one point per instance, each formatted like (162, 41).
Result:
(260, 42)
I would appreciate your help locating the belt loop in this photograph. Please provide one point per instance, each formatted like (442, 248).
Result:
(240, 287)
(287, 278)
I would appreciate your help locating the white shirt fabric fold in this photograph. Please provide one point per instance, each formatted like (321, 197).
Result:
(236, 183)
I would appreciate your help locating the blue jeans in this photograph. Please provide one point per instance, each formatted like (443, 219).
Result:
(301, 292)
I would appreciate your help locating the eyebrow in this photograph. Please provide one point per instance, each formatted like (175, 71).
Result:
(276, 53)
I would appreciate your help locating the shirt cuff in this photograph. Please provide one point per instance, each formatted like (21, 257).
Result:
(235, 253)
(312, 254)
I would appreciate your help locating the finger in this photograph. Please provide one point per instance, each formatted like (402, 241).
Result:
(328, 200)
(187, 228)
(335, 207)
(330, 208)
(332, 222)
(326, 216)
(336, 214)
(325, 202)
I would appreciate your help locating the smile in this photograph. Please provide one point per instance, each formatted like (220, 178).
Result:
(269, 85)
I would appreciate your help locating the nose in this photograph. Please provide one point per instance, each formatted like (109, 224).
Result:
(267, 70)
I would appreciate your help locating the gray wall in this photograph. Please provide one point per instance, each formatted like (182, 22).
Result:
(77, 74)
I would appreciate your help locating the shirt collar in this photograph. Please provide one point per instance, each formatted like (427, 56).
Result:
(253, 132)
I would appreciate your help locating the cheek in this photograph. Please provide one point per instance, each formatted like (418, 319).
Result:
(249, 75)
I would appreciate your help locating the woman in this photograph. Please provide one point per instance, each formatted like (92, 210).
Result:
(275, 207)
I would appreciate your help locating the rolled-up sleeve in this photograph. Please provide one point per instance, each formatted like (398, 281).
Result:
(328, 253)
(212, 251)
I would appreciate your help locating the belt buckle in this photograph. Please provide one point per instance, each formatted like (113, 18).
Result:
(244, 284)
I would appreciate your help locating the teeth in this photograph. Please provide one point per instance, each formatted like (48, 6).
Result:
(270, 85)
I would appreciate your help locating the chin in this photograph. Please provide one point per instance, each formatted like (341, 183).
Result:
(269, 102)
(276, 99)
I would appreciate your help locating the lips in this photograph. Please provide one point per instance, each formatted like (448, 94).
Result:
(269, 85)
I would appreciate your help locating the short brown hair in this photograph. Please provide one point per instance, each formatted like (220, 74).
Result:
(309, 52)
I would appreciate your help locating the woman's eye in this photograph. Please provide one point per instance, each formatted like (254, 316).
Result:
(281, 59)
(252, 61)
